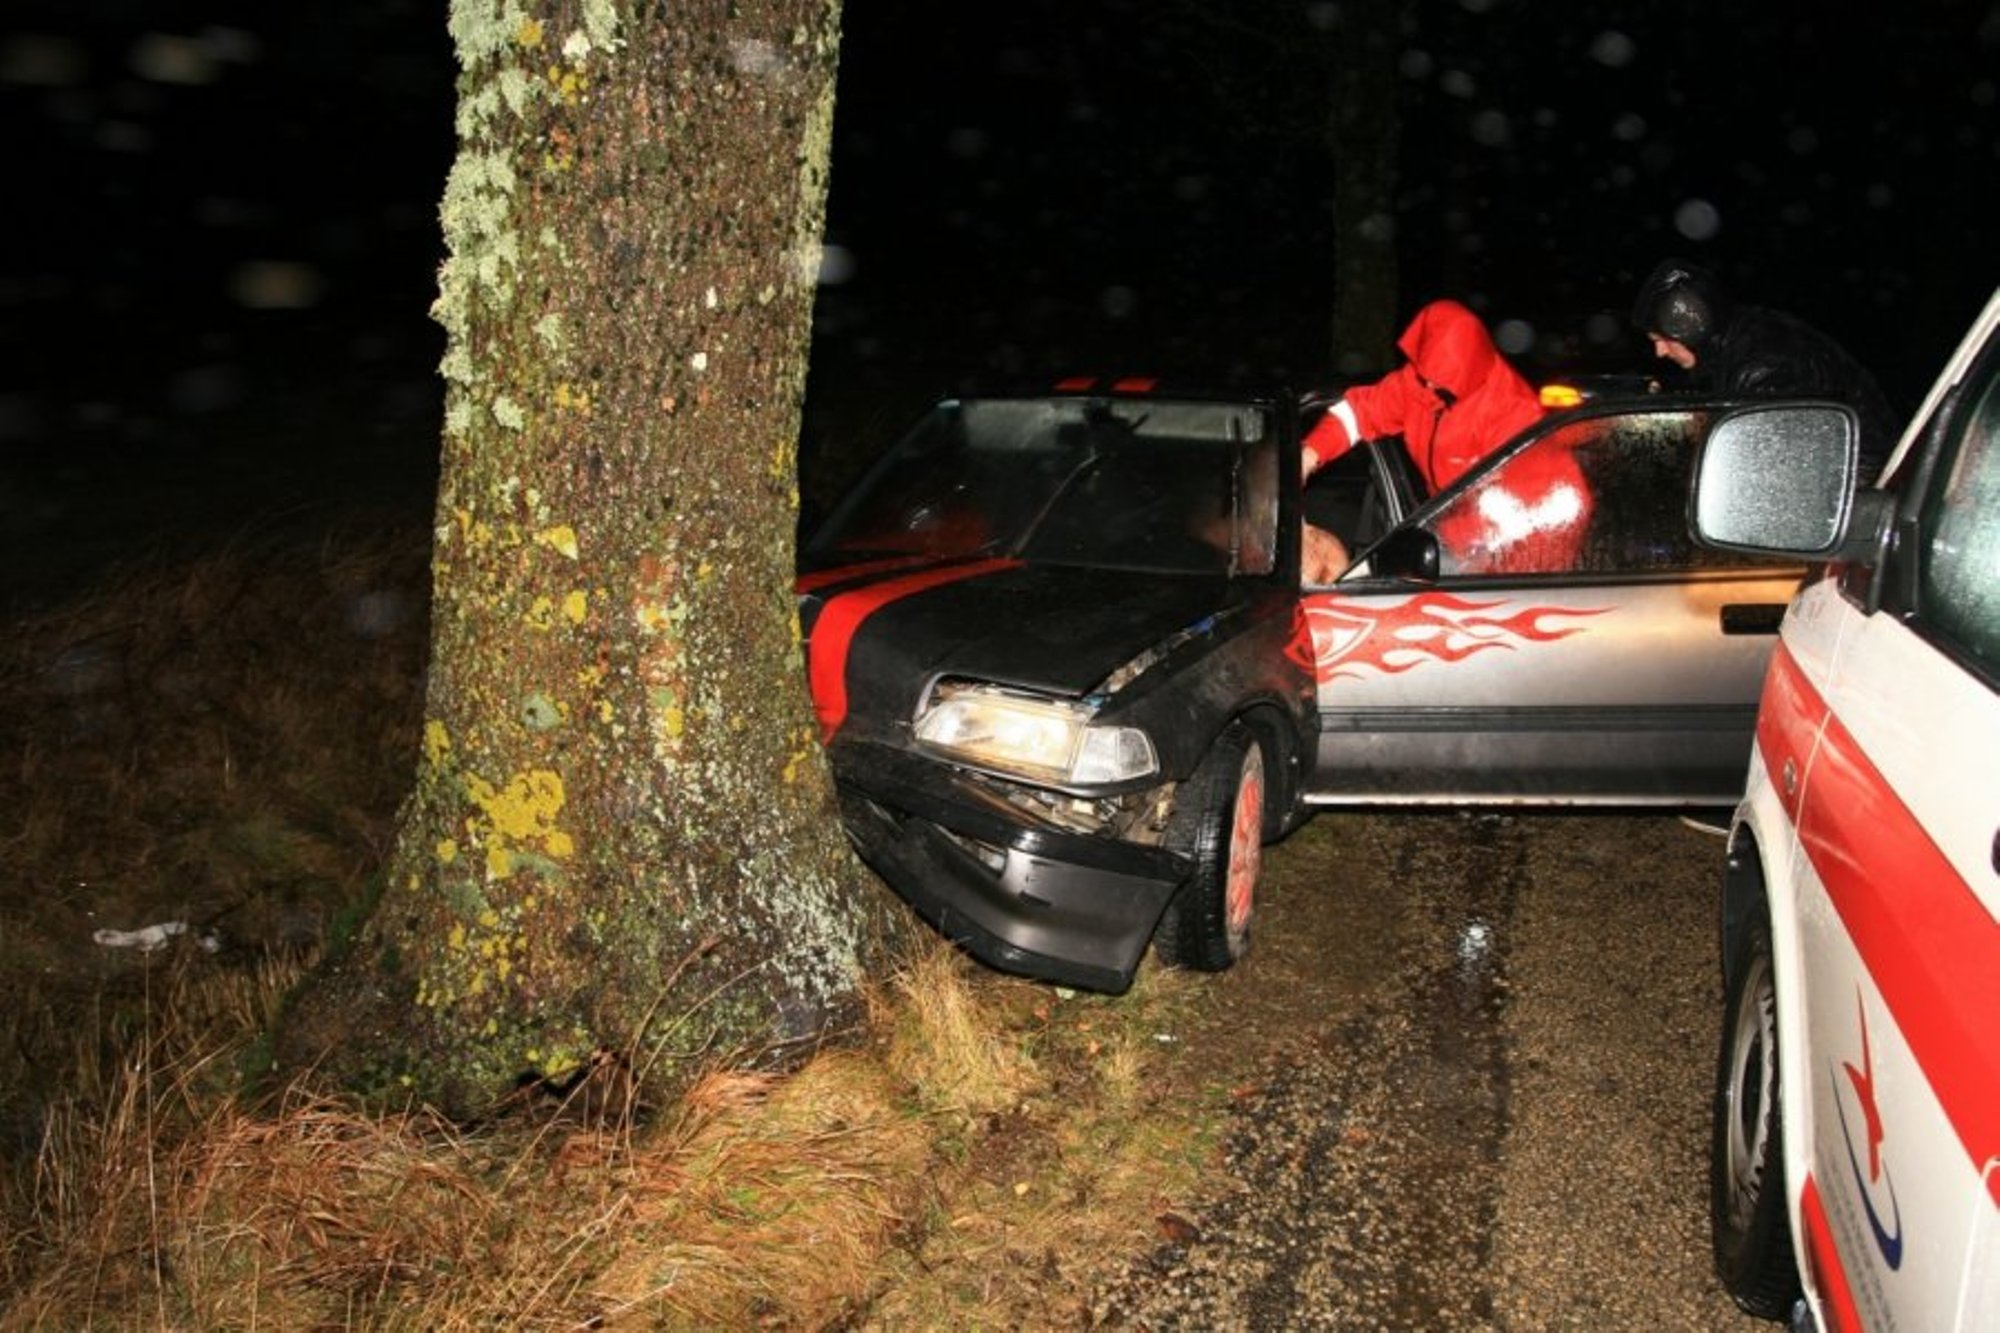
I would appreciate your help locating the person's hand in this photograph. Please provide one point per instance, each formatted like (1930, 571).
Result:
(1323, 557)
(1308, 463)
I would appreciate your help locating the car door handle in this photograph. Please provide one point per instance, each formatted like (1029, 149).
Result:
(1752, 617)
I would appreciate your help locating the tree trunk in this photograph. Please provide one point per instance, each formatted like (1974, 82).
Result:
(622, 837)
(1364, 136)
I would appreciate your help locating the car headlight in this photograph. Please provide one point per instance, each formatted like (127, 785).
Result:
(1046, 740)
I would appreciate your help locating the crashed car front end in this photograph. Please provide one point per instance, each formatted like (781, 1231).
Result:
(1010, 709)
(1068, 889)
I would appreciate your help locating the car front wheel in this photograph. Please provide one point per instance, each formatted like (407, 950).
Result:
(1218, 824)
(1747, 1205)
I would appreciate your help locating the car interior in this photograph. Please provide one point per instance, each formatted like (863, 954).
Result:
(1347, 498)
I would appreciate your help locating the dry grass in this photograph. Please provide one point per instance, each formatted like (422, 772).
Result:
(850, 1192)
(983, 1153)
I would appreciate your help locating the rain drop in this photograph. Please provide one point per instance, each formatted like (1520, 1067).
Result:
(276, 285)
(1613, 50)
(1603, 329)
(836, 265)
(1492, 129)
(1514, 336)
(1698, 220)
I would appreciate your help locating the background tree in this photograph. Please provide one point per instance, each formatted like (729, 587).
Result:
(1359, 48)
(1273, 74)
(621, 836)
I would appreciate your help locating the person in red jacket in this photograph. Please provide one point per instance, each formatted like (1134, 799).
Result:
(1453, 401)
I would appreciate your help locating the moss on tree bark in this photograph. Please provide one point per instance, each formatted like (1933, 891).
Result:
(622, 835)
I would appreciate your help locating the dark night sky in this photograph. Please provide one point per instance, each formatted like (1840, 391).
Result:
(220, 238)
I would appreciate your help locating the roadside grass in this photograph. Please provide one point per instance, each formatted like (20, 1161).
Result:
(223, 745)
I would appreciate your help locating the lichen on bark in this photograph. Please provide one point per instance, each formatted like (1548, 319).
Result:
(621, 833)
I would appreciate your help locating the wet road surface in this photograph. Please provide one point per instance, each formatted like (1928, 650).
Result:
(1478, 1053)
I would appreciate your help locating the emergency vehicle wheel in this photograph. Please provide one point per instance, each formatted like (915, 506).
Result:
(1748, 1216)
(1219, 823)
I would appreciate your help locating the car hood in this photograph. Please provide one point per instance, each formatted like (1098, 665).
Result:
(874, 644)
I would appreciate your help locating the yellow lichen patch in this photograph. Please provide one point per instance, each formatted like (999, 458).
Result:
(569, 84)
(540, 615)
(529, 34)
(561, 539)
(521, 814)
(447, 851)
(476, 531)
(576, 606)
(572, 400)
(526, 807)
(437, 742)
(802, 752)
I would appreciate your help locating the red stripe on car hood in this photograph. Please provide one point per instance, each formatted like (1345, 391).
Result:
(833, 633)
(843, 573)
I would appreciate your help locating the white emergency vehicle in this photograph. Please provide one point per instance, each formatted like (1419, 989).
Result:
(1856, 1155)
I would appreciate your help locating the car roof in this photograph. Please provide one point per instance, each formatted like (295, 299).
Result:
(1134, 387)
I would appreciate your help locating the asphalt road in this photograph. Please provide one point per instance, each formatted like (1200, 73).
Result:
(1477, 1053)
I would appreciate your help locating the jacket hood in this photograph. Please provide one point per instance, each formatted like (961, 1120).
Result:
(1449, 346)
(1682, 301)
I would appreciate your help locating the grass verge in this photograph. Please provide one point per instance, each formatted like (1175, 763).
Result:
(221, 747)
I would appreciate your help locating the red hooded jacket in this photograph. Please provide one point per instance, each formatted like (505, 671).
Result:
(1484, 404)
(1538, 521)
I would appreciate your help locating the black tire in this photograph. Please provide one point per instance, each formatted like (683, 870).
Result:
(1749, 1219)
(1218, 823)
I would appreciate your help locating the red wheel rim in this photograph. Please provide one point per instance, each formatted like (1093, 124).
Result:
(1246, 849)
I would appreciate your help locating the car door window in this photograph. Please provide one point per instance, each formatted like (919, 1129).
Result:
(1601, 495)
(1959, 560)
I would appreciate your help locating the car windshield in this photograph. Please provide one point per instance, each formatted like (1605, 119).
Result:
(1169, 486)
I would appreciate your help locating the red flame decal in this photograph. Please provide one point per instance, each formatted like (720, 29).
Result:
(1352, 638)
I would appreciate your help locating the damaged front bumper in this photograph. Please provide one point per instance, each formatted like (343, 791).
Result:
(1017, 891)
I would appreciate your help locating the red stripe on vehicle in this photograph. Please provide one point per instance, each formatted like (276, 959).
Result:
(1926, 939)
(861, 569)
(833, 633)
(1829, 1278)
(1787, 721)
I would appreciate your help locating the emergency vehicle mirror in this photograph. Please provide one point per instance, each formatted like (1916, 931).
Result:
(1777, 480)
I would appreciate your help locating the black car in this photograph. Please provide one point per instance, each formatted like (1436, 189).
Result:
(1070, 681)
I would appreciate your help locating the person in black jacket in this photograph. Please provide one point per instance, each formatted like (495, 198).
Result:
(1755, 351)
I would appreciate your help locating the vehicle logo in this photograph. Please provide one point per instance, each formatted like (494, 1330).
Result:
(1875, 1181)
(1352, 637)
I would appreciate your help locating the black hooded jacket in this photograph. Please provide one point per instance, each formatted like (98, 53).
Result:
(1758, 352)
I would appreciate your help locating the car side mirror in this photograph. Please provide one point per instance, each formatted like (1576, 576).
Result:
(1407, 553)
(1780, 480)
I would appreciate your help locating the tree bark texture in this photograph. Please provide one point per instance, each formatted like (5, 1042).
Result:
(622, 836)
(1364, 140)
